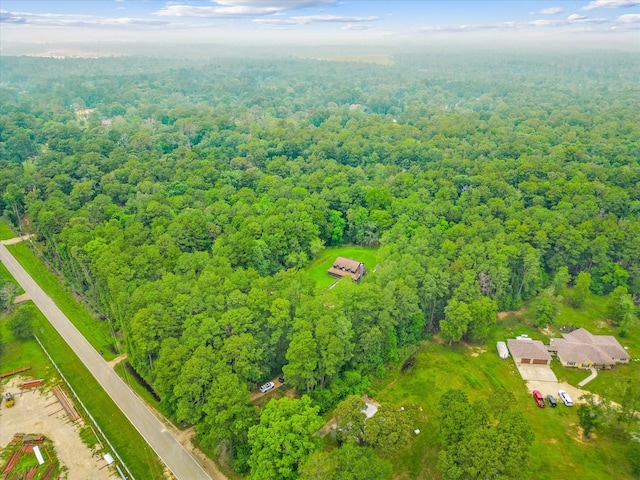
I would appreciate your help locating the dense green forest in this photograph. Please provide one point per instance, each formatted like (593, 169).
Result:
(183, 201)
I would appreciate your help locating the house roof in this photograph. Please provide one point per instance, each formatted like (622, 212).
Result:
(370, 409)
(580, 352)
(606, 344)
(534, 349)
(345, 266)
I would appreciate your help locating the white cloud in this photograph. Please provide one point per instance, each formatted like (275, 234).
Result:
(502, 26)
(306, 19)
(357, 26)
(610, 4)
(548, 11)
(543, 23)
(629, 18)
(215, 12)
(239, 8)
(576, 18)
(279, 4)
(61, 20)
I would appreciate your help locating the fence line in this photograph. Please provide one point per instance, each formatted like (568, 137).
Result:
(131, 477)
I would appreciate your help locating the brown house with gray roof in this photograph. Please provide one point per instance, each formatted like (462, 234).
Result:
(346, 267)
(581, 349)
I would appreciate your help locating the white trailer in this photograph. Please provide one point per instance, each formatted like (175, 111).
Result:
(502, 350)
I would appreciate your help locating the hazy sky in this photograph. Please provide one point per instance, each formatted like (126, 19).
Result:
(322, 21)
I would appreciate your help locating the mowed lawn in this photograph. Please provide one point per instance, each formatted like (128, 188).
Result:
(558, 451)
(5, 232)
(25, 353)
(318, 268)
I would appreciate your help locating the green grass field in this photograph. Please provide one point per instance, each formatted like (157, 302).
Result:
(25, 353)
(137, 455)
(318, 268)
(6, 232)
(96, 331)
(5, 277)
(558, 450)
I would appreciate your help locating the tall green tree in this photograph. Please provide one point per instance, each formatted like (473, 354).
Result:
(193, 384)
(8, 293)
(547, 308)
(350, 419)
(456, 321)
(621, 309)
(388, 430)
(302, 357)
(348, 462)
(333, 335)
(283, 439)
(590, 414)
(227, 417)
(561, 280)
(484, 313)
(21, 322)
(455, 416)
(580, 290)
(477, 446)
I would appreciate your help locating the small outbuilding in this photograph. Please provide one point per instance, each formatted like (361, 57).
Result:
(502, 350)
(346, 267)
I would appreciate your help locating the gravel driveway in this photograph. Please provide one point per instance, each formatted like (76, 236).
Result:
(539, 373)
(542, 378)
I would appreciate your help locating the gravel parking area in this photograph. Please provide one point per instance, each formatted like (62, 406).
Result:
(552, 388)
(34, 413)
(542, 378)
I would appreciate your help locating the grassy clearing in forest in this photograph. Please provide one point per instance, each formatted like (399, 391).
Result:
(96, 331)
(558, 450)
(317, 269)
(5, 231)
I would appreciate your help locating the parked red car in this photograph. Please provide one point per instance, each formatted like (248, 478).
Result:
(537, 396)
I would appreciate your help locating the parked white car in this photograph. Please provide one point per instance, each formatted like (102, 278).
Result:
(266, 387)
(564, 396)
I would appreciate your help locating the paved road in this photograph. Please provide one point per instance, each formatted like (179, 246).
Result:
(172, 453)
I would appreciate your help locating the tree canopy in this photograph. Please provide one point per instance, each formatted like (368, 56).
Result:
(184, 201)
